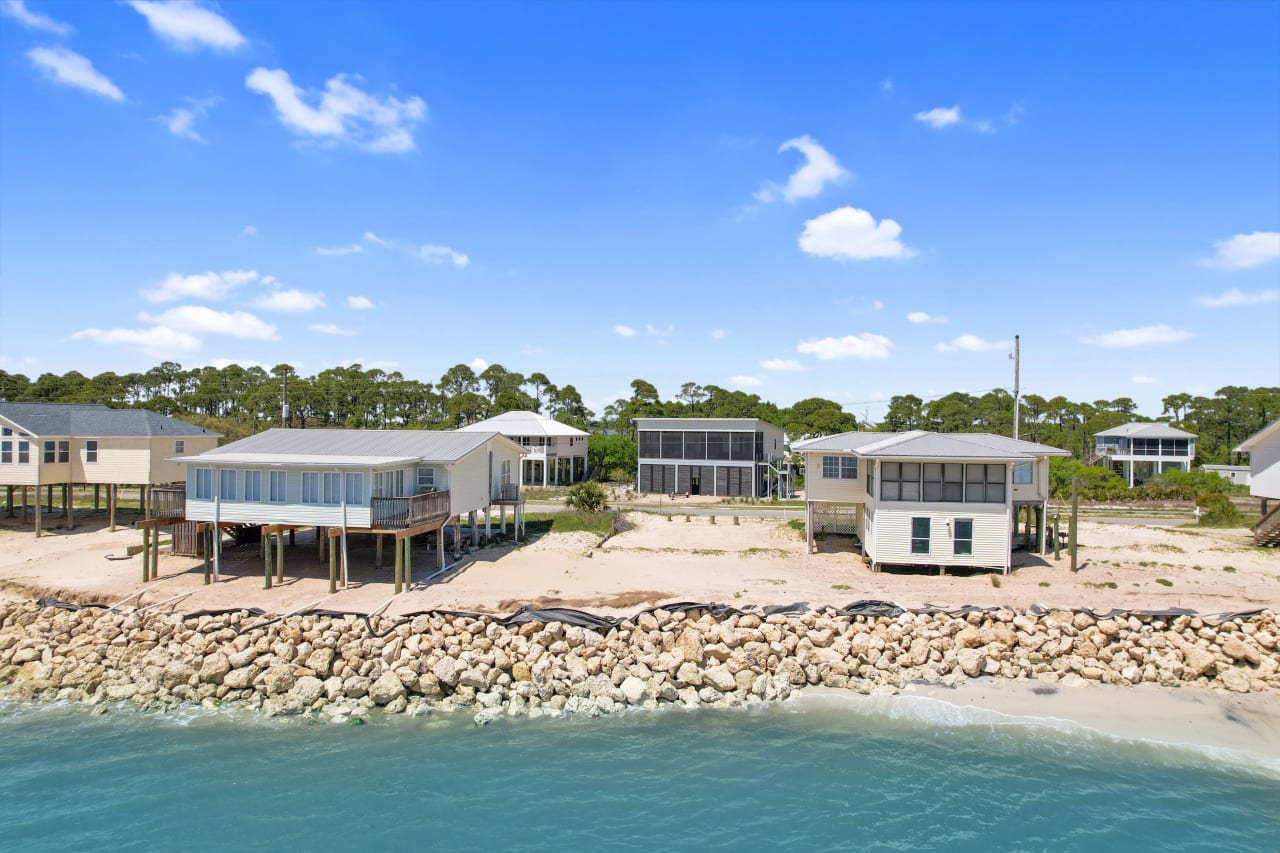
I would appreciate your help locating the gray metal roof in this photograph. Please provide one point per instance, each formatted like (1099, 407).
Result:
(374, 446)
(523, 424)
(93, 421)
(919, 444)
(1146, 430)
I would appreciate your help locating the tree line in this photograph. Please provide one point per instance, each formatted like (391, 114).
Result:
(239, 401)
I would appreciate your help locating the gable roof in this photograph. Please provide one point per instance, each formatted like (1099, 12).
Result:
(350, 447)
(523, 423)
(93, 421)
(920, 444)
(1159, 429)
(1268, 432)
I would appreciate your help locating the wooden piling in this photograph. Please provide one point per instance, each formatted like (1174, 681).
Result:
(266, 560)
(399, 569)
(333, 570)
(146, 554)
(111, 507)
(280, 557)
(206, 542)
(408, 561)
(155, 554)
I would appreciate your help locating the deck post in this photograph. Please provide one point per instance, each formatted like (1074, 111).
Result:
(333, 570)
(280, 557)
(399, 567)
(68, 504)
(24, 504)
(97, 498)
(48, 494)
(146, 554)
(142, 503)
(475, 531)
(1075, 514)
(9, 499)
(457, 536)
(155, 554)
(377, 551)
(266, 561)
(320, 537)
(38, 531)
(408, 561)
(207, 548)
(111, 507)
(440, 547)
(502, 518)
(488, 526)
(293, 537)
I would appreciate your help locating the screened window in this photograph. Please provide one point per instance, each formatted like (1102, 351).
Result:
(227, 485)
(277, 487)
(311, 487)
(744, 446)
(962, 537)
(717, 445)
(931, 486)
(650, 444)
(920, 535)
(6, 452)
(204, 484)
(24, 452)
(91, 451)
(911, 481)
(1022, 473)
(50, 452)
(179, 447)
(355, 488)
(984, 484)
(890, 477)
(695, 445)
(426, 478)
(672, 444)
(332, 486)
(953, 482)
(253, 486)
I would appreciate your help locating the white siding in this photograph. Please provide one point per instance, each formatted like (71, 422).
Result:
(120, 460)
(1037, 490)
(819, 488)
(266, 513)
(1264, 468)
(892, 536)
(469, 482)
(502, 452)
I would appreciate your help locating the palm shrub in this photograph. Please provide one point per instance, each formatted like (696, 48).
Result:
(588, 497)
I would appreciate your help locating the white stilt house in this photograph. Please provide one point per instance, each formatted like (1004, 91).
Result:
(1140, 451)
(1264, 480)
(555, 453)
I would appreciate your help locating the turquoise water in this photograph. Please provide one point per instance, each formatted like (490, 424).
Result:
(824, 777)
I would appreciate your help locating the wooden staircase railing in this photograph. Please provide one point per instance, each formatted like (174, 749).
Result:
(1267, 529)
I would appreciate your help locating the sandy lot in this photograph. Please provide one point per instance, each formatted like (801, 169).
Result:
(760, 561)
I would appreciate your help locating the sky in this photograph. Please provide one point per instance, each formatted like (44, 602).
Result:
(850, 201)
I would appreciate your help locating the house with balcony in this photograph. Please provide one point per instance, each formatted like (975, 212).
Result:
(927, 498)
(393, 483)
(1140, 451)
(555, 453)
(726, 457)
(48, 445)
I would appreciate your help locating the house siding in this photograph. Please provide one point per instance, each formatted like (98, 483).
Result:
(249, 512)
(819, 488)
(1264, 469)
(891, 542)
(120, 460)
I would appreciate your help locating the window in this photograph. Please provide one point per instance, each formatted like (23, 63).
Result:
(6, 452)
(204, 484)
(839, 468)
(426, 479)
(311, 487)
(50, 452)
(1022, 473)
(24, 452)
(744, 446)
(919, 536)
(650, 443)
(717, 445)
(227, 484)
(695, 445)
(332, 488)
(672, 444)
(6, 431)
(962, 537)
(931, 487)
(910, 481)
(91, 451)
(953, 482)
(355, 488)
(64, 451)
(984, 484)
(179, 447)
(890, 474)
(253, 486)
(277, 487)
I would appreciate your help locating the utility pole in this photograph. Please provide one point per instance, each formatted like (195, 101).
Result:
(1017, 392)
(284, 401)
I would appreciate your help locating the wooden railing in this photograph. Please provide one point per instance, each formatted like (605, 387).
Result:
(399, 513)
(168, 503)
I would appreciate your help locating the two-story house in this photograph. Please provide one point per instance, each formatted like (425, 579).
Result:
(1139, 451)
(926, 498)
(555, 453)
(728, 457)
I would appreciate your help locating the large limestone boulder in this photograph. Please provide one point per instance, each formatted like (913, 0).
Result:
(306, 690)
(448, 670)
(1238, 651)
(214, 668)
(720, 678)
(278, 679)
(690, 642)
(241, 678)
(634, 689)
(1196, 661)
(320, 662)
(387, 688)
(971, 662)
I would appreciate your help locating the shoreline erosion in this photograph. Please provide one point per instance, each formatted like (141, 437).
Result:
(1154, 678)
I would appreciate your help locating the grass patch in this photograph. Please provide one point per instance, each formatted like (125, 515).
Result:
(1043, 583)
(1103, 585)
(841, 586)
(1231, 570)
(1164, 582)
(764, 552)
(1165, 548)
(599, 523)
(774, 581)
(796, 524)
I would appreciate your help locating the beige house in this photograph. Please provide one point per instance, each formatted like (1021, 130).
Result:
(66, 444)
(555, 453)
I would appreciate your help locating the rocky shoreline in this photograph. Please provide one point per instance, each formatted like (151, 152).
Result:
(343, 668)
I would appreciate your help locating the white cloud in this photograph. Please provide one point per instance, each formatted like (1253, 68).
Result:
(1235, 296)
(344, 112)
(719, 334)
(440, 254)
(359, 303)
(209, 285)
(339, 251)
(68, 68)
(820, 168)
(624, 331)
(180, 121)
(865, 345)
(1143, 380)
(198, 318)
(187, 26)
(158, 340)
(8, 363)
(939, 117)
(972, 343)
(1140, 337)
(923, 317)
(848, 233)
(290, 300)
(781, 364)
(249, 231)
(374, 238)
(17, 9)
(744, 381)
(659, 331)
(1245, 251)
(329, 329)
(477, 364)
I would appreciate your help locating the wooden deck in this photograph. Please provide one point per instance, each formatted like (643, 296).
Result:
(408, 512)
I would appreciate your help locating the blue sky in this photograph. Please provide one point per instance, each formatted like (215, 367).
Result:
(850, 201)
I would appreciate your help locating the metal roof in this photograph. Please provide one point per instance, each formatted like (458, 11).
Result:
(523, 423)
(919, 444)
(1158, 429)
(1259, 437)
(352, 446)
(93, 421)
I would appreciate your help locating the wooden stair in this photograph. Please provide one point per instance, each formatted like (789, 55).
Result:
(1267, 531)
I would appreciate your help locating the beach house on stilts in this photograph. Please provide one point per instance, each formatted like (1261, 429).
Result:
(927, 498)
(555, 453)
(391, 484)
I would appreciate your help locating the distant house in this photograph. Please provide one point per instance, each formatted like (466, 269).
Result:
(1139, 451)
(1238, 475)
(64, 444)
(728, 457)
(926, 498)
(555, 453)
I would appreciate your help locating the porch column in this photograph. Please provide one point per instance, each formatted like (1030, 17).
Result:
(142, 501)
(544, 470)
(408, 561)
(267, 570)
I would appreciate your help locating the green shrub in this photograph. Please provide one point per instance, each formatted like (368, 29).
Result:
(588, 497)
(1217, 510)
